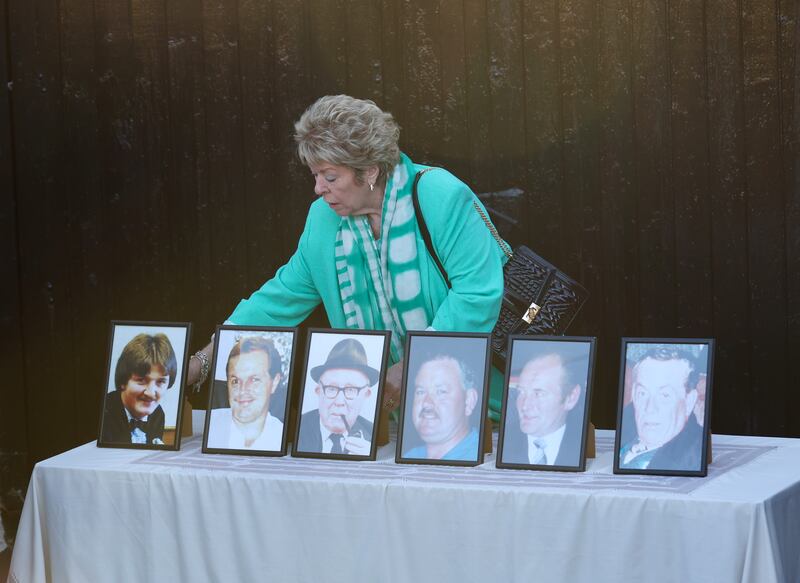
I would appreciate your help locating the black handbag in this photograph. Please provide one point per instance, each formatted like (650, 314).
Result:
(538, 298)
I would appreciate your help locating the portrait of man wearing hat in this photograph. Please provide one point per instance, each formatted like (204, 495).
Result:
(344, 382)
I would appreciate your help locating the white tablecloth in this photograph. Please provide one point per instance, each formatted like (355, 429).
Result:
(95, 515)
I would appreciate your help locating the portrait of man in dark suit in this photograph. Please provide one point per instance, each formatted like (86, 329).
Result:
(664, 393)
(546, 404)
(344, 382)
(145, 370)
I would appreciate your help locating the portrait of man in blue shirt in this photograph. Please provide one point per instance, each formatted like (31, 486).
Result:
(444, 395)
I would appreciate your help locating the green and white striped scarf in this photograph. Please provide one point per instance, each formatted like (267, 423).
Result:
(379, 281)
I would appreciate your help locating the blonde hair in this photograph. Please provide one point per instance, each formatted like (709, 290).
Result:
(345, 131)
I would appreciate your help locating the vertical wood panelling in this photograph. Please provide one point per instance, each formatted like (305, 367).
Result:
(727, 188)
(13, 436)
(690, 168)
(89, 263)
(789, 50)
(543, 131)
(652, 102)
(364, 68)
(455, 131)
(13, 421)
(766, 220)
(293, 188)
(423, 94)
(224, 131)
(150, 158)
(120, 139)
(327, 40)
(43, 231)
(578, 38)
(155, 176)
(187, 179)
(392, 49)
(261, 157)
(618, 229)
(476, 55)
(507, 93)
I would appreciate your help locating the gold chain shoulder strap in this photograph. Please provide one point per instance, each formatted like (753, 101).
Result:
(503, 245)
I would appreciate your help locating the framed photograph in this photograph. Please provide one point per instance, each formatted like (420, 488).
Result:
(444, 399)
(249, 396)
(343, 379)
(546, 403)
(142, 402)
(663, 407)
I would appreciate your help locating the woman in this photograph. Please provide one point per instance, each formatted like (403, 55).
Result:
(361, 253)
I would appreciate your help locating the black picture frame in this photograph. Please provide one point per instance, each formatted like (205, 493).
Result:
(656, 361)
(436, 350)
(219, 429)
(163, 424)
(330, 351)
(543, 409)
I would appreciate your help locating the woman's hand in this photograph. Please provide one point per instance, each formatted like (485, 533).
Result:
(391, 388)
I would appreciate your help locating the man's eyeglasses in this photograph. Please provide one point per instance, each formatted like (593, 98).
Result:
(350, 392)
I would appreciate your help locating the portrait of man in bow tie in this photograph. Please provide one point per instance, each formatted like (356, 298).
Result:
(145, 371)
(546, 403)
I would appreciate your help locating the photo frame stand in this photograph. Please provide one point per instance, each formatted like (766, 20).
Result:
(487, 436)
(292, 417)
(383, 427)
(591, 451)
(186, 422)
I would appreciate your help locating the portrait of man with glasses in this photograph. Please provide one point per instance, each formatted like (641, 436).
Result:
(343, 386)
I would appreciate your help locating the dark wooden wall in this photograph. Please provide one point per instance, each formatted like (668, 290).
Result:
(147, 171)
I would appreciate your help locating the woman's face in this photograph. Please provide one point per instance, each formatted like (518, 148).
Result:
(338, 187)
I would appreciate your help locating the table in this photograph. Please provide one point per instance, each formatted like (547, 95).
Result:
(96, 515)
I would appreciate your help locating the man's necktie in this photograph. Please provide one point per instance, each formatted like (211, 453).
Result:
(336, 440)
(539, 457)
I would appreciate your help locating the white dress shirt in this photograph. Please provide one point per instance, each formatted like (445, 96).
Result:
(552, 443)
(327, 443)
(137, 435)
(223, 433)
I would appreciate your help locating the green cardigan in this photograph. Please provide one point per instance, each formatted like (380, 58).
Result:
(471, 257)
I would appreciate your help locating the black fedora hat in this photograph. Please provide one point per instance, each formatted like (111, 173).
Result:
(348, 353)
